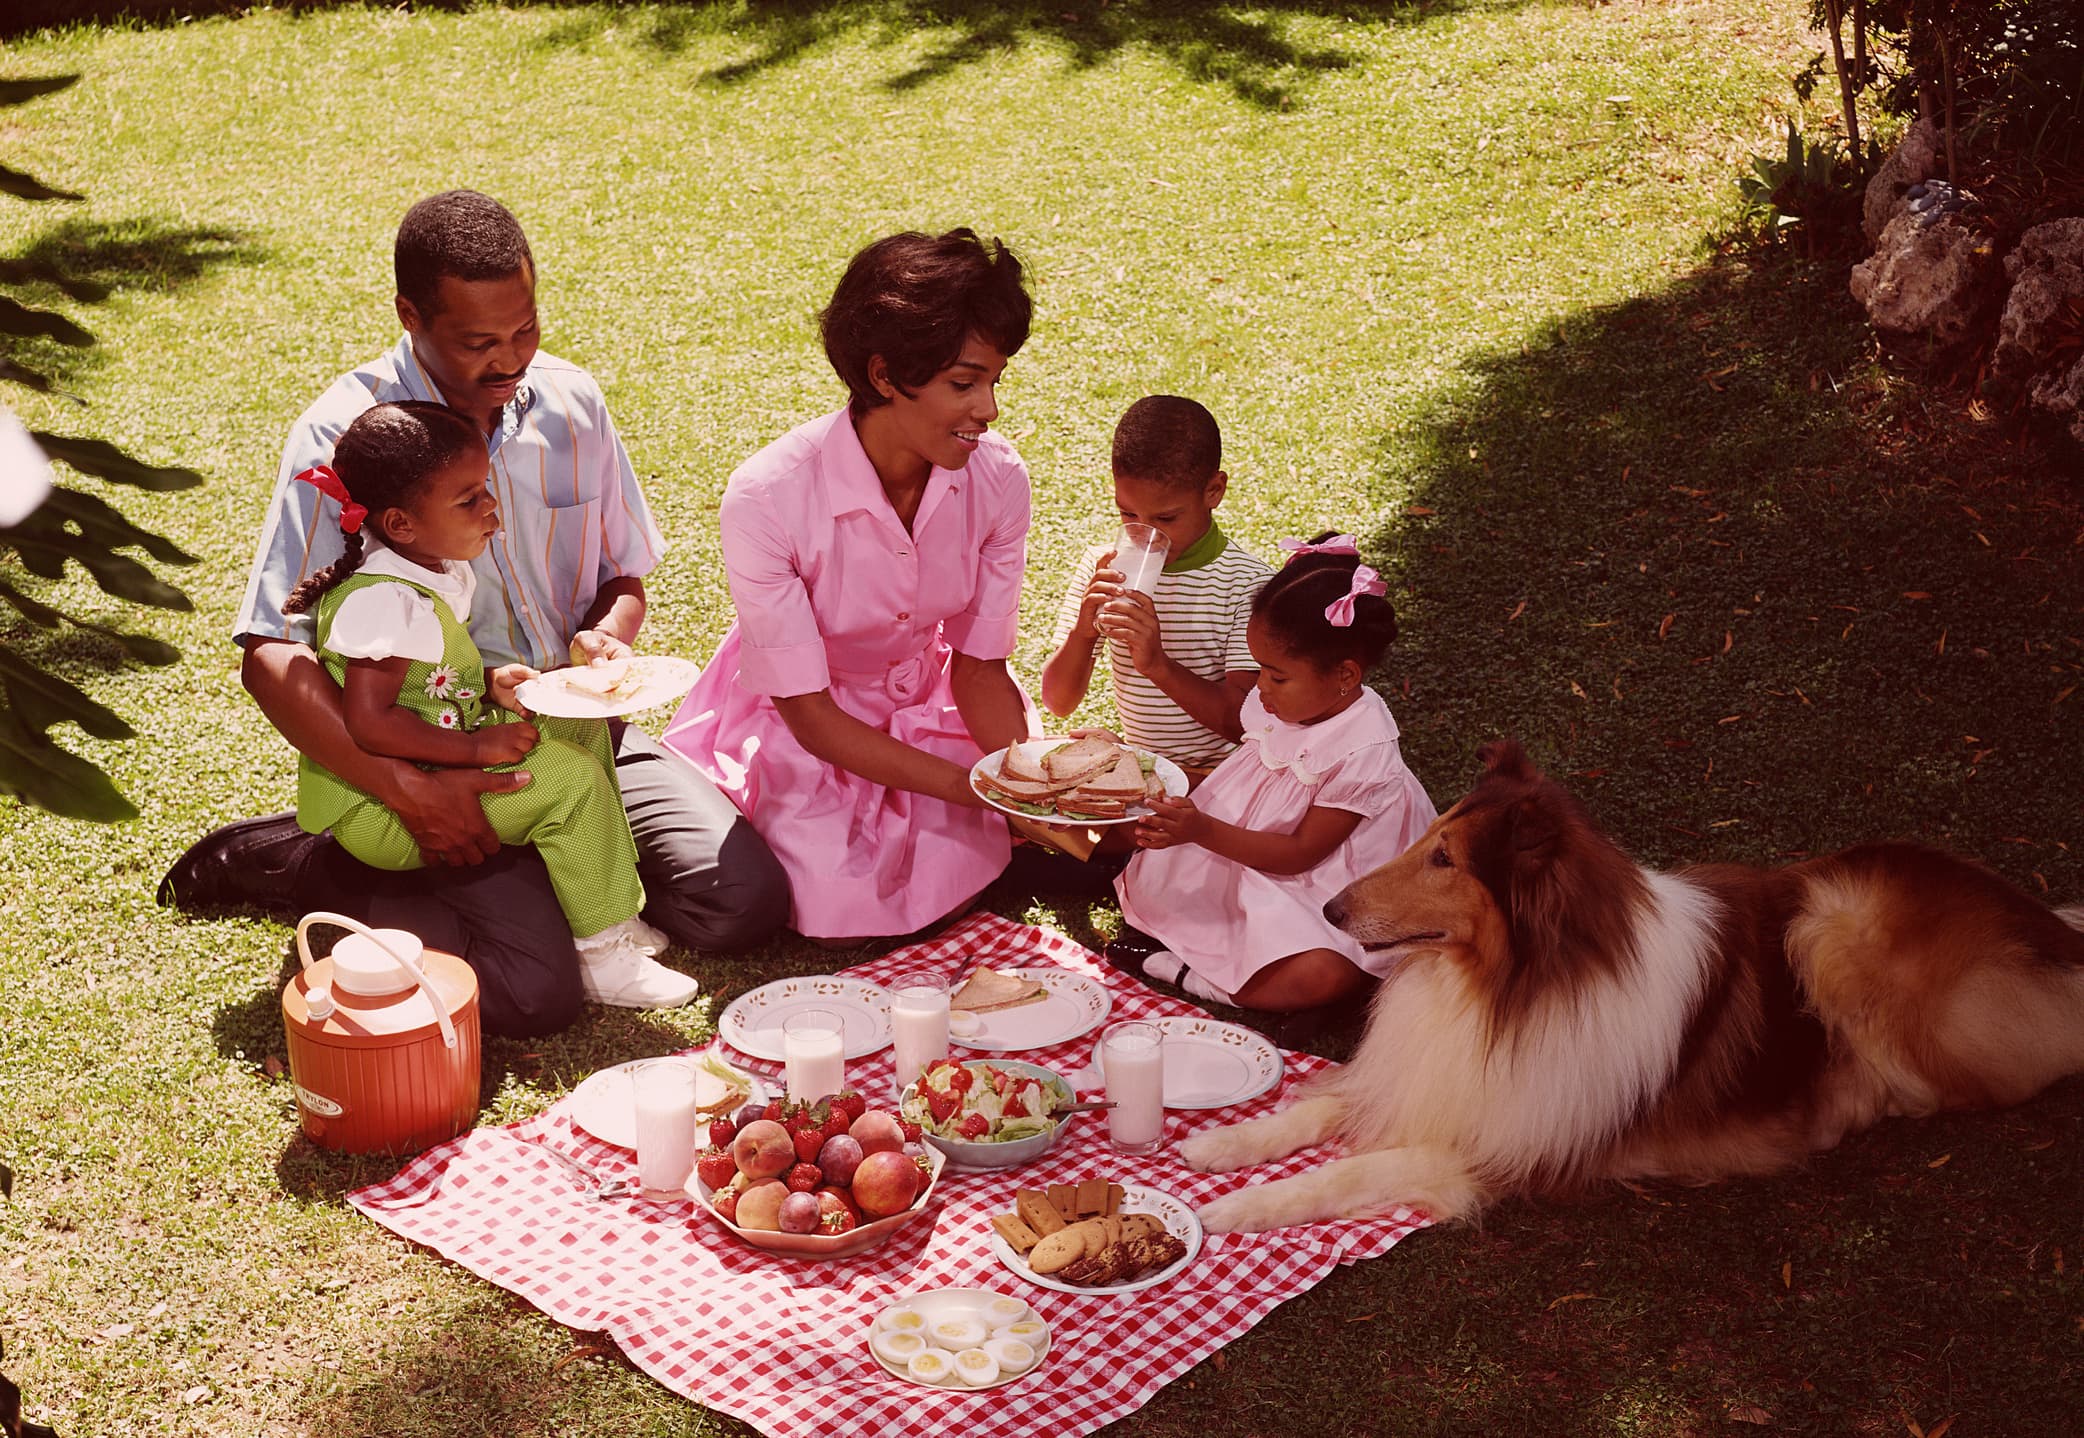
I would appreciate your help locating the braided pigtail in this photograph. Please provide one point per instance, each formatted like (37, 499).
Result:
(307, 594)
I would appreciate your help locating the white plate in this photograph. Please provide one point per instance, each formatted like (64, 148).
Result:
(1175, 1213)
(665, 681)
(1076, 1005)
(939, 1304)
(1170, 774)
(752, 1024)
(1210, 1064)
(605, 1108)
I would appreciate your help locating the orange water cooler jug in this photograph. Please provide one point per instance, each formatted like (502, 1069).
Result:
(383, 1041)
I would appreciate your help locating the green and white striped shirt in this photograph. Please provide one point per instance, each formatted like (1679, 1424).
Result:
(1204, 599)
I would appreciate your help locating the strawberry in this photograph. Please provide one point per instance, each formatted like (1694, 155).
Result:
(808, 1142)
(804, 1177)
(925, 1166)
(973, 1127)
(851, 1103)
(835, 1214)
(942, 1106)
(909, 1129)
(722, 1131)
(838, 1124)
(715, 1167)
(725, 1202)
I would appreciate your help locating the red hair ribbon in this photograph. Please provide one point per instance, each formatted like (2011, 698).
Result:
(324, 479)
(1365, 581)
(1337, 544)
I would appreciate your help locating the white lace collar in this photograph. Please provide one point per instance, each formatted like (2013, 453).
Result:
(1308, 751)
(455, 582)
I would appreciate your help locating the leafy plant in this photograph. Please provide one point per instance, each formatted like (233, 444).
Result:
(1809, 195)
(66, 525)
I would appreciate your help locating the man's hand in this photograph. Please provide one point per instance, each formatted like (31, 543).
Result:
(591, 644)
(440, 809)
(504, 680)
(505, 743)
(1170, 822)
(1132, 618)
(1105, 584)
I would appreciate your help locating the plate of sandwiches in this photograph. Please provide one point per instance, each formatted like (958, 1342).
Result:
(1012, 1010)
(1091, 780)
(608, 688)
(1096, 1235)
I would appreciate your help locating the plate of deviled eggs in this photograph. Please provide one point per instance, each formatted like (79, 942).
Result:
(959, 1338)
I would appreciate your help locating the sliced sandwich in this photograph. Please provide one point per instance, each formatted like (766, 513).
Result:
(1081, 759)
(1108, 794)
(987, 991)
(604, 678)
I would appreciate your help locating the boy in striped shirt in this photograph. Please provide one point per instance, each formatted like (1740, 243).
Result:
(1180, 666)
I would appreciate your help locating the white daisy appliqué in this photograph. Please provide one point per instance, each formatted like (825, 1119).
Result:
(449, 719)
(441, 682)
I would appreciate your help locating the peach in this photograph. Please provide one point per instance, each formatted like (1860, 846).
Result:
(763, 1149)
(760, 1206)
(887, 1182)
(877, 1132)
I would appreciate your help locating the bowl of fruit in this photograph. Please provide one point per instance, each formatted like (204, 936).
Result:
(824, 1180)
(987, 1113)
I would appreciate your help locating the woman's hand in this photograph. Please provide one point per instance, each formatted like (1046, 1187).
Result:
(505, 743)
(504, 680)
(1170, 822)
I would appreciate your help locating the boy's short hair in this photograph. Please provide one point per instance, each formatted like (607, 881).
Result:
(458, 234)
(915, 299)
(1169, 440)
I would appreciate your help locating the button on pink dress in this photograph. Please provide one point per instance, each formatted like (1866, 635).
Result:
(1227, 922)
(833, 593)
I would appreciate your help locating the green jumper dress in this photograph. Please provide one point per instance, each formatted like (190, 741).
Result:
(571, 808)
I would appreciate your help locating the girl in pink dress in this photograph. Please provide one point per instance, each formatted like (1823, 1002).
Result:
(875, 556)
(1232, 882)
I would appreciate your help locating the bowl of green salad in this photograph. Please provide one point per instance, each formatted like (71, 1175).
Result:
(988, 1113)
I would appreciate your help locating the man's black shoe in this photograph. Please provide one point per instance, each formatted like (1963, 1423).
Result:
(251, 864)
(1127, 951)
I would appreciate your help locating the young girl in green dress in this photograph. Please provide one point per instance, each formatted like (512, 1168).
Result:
(392, 616)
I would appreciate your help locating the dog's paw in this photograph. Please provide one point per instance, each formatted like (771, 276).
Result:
(1219, 1150)
(1240, 1212)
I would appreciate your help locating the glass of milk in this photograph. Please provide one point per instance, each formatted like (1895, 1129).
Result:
(918, 1023)
(1139, 553)
(814, 1053)
(1132, 1065)
(664, 1093)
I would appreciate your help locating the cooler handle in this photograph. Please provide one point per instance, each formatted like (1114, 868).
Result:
(441, 1005)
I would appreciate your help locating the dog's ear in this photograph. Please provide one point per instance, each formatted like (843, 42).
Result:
(1506, 759)
(1536, 831)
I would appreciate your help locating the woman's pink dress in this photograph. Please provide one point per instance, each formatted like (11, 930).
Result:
(1227, 922)
(834, 593)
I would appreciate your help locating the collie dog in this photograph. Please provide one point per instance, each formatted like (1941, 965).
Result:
(1559, 1015)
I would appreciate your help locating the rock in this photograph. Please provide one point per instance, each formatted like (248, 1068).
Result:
(2046, 304)
(1920, 156)
(1929, 284)
(2059, 395)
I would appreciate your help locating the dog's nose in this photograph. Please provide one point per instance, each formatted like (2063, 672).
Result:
(1335, 912)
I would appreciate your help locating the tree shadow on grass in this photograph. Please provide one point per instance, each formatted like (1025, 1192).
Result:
(1744, 598)
(87, 261)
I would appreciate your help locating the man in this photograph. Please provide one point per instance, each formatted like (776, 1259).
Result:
(564, 577)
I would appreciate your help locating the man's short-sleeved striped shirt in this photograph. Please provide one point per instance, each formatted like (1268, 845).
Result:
(1204, 599)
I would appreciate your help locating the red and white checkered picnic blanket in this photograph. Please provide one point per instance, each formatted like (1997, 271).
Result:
(782, 1343)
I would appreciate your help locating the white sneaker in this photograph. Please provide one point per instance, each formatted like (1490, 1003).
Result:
(650, 938)
(615, 970)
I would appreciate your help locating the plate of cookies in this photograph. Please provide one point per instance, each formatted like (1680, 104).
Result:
(1096, 1236)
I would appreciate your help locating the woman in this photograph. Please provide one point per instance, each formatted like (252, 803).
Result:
(875, 556)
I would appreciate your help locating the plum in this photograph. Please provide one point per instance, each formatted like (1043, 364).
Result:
(799, 1213)
(840, 1156)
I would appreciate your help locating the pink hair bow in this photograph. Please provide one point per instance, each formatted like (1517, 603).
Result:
(326, 481)
(1365, 581)
(1337, 544)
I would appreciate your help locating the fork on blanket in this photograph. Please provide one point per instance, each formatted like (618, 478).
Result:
(597, 1184)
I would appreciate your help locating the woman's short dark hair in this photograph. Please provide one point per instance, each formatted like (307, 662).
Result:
(916, 299)
(458, 234)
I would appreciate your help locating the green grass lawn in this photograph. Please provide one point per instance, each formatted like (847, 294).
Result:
(1443, 272)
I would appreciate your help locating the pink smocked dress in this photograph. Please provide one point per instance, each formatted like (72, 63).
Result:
(1227, 922)
(834, 593)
